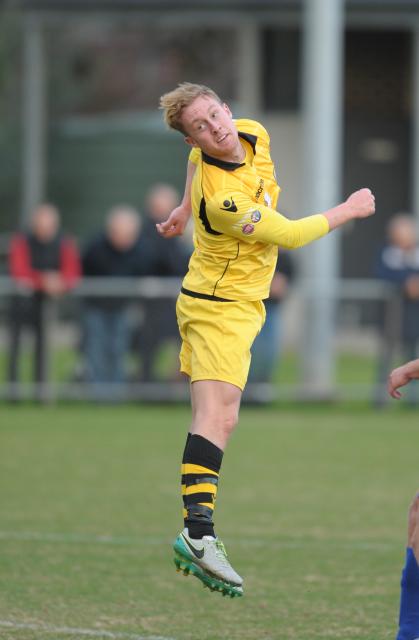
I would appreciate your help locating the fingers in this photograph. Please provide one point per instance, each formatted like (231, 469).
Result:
(174, 225)
(395, 394)
(363, 202)
(392, 387)
(369, 196)
(162, 227)
(398, 378)
(168, 230)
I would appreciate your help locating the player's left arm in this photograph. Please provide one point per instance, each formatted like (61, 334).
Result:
(237, 215)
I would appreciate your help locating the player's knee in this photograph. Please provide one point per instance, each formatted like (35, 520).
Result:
(230, 420)
(223, 420)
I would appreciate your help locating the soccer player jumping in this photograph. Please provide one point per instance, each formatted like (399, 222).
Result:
(232, 192)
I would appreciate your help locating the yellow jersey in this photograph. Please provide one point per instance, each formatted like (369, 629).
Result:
(237, 229)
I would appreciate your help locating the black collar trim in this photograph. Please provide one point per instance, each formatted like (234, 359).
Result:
(250, 138)
(223, 164)
(232, 166)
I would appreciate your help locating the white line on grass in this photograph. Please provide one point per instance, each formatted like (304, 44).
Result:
(306, 543)
(70, 631)
(77, 538)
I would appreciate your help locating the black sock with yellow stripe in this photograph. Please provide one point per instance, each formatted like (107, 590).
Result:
(200, 470)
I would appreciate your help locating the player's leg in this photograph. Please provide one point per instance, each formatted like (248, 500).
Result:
(409, 601)
(215, 353)
(216, 407)
(215, 413)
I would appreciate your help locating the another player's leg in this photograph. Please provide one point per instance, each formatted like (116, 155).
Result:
(198, 551)
(409, 602)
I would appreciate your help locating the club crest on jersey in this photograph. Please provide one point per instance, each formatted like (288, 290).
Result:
(256, 215)
(229, 205)
(248, 229)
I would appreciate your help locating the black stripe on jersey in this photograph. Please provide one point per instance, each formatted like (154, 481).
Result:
(250, 138)
(225, 270)
(195, 498)
(204, 219)
(203, 296)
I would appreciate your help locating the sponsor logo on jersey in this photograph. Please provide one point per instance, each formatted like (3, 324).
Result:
(260, 188)
(267, 199)
(229, 205)
(256, 215)
(248, 229)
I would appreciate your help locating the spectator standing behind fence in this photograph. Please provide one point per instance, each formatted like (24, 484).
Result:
(114, 253)
(398, 264)
(43, 263)
(266, 347)
(159, 324)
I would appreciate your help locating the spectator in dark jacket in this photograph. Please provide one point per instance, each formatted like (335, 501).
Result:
(164, 259)
(398, 264)
(115, 253)
(44, 263)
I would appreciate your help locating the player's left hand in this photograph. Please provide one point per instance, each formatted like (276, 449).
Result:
(362, 203)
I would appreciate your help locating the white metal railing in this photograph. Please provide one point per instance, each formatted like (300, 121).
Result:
(147, 288)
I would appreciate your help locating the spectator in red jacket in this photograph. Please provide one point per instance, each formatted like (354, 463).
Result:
(44, 263)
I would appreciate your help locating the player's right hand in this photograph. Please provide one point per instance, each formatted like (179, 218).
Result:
(175, 223)
(362, 203)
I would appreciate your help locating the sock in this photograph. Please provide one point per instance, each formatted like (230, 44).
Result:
(200, 470)
(409, 601)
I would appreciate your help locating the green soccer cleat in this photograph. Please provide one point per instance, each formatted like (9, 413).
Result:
(207, 560)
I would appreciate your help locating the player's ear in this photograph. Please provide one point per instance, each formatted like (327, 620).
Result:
(190, 141)
(227, 109)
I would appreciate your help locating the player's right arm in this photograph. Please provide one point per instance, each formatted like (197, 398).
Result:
(178, 219)
(237, 215)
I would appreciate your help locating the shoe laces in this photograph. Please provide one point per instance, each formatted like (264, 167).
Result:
(221, 552)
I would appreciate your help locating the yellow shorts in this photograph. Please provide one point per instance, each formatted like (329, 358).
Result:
(217, 337)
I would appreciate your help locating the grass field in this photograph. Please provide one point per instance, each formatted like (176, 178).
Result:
(311, 506)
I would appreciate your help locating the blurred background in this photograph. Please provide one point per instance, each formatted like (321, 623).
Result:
(337, 86)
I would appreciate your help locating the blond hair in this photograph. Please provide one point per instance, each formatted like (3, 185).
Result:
(175, 101)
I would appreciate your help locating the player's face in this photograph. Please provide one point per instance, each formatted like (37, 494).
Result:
(209, 125)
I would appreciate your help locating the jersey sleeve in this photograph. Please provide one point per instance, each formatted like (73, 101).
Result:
(236, 215)
(195, 155)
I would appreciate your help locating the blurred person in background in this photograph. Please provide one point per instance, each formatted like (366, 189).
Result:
(398, 264)
(267, 345)
(44, 264)
(113, 253)
(163, 260)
